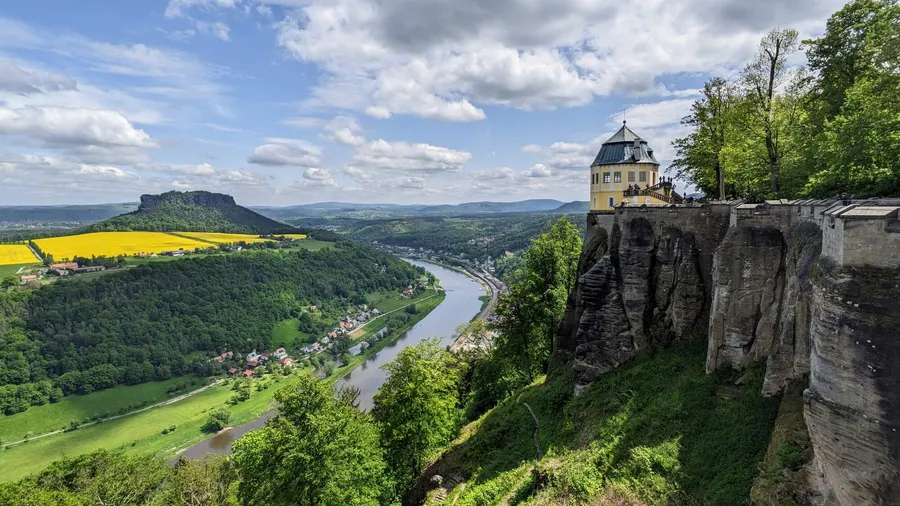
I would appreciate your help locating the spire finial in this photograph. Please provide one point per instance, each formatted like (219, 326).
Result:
(623, 115)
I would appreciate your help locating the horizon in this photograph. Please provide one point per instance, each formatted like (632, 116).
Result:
(286, 102)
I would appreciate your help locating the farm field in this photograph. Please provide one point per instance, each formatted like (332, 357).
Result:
(49, 417)
(8, 270)
(288, 335)
(293, 236)
(13, 254)
(114, 244)
(220, 238)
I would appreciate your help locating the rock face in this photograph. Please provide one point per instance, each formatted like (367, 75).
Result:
(640, 286)
(200, 198)
(852, 405)
(763, 284)
(748, 277)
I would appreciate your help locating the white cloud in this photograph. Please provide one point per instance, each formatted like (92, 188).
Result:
(495, 174)
(217, 28)
(15, 79)
(286, 152)
(61, 126)
(439, 59)
(381, 154)
(176, 8)
(539, 170)
(345, 130)
(304, 122)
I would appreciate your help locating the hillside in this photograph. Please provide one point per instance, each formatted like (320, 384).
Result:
(577, 206)
(197, 211)
(166, 319)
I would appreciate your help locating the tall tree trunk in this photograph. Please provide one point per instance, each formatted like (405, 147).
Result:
(720, 179)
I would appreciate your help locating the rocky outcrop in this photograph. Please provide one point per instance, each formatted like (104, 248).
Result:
(640, 287)
(198, 198)
(852, 405)
(748, 277)
(782, 284)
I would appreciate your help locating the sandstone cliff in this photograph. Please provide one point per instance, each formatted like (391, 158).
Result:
(810, 288)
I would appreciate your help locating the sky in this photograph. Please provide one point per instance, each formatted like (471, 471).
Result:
(287, 102)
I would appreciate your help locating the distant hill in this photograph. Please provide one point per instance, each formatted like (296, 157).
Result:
(196, 211)
(344, 209)
(577, 206)
(63, 214)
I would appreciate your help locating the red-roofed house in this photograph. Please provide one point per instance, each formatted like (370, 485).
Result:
(28, 277)
(280, 353)
(248, 373)
(219, 358)
(233, 371)
(287, 362)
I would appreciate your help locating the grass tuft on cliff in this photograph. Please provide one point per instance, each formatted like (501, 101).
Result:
(657, 432)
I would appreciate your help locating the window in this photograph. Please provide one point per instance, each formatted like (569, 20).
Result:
(595, 202)
(617, 177)
(643, 177)
(612, 202)
(654, 179)
(606, 177)
(631, 177)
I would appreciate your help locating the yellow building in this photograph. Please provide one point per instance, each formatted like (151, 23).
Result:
(625, 170)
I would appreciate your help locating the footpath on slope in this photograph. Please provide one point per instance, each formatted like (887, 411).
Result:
(166, 402)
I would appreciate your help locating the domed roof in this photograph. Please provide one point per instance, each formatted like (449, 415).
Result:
(620, 149)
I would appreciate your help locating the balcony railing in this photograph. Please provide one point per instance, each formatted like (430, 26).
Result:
(663, 191)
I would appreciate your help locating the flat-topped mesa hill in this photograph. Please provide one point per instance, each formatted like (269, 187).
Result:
(195, 211)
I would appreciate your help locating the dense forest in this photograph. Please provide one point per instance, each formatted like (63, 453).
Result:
(196, 211)
(475, 236)
(166, 319)
(826, 128)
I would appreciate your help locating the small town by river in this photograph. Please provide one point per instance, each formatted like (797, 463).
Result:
(460, 305)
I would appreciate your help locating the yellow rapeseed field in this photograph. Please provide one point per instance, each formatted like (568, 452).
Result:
(293, 236)
(114, 244)
(11, 254)
(223, 238)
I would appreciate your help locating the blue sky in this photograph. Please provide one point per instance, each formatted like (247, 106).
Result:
(296, 101)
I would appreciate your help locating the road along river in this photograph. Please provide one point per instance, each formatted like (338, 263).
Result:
(460, 305)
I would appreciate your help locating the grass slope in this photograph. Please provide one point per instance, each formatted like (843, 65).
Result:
(660, 431)
(81, 408)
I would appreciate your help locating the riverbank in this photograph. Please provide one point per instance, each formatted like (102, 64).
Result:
(141, 432)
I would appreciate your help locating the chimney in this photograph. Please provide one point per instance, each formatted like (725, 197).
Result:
(636, 150)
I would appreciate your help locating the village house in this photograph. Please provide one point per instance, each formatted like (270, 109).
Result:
(219, 358)
(92, 268)
(233, 371)
(280, 353)
(324, 341)
(248, 373)
(28, 277)
(287, 362)
(64, 265)
(253, 356)
(252, 363)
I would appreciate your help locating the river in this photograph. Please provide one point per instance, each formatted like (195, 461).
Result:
(460, 305)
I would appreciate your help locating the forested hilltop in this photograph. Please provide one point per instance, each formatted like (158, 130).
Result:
(196, 211)
(167, 319)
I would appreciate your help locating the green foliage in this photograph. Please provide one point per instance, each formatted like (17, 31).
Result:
(96, 478)
(210, 481)
(196, 211)
(166, 319)
(317, 450)
(9, 281)
(217, 420)
(530, 311)
(416, 407)
(660, 429)
(817, 131)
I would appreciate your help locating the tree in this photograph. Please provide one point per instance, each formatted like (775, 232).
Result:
(699, 155)
(416, 407)
(209, 481)
(529, 313)
(761, 78)
(217, 420)
(316, 450)
(9, 281)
